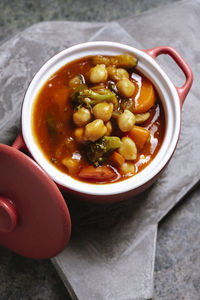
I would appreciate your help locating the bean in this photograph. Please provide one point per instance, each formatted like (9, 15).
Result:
(117, 74)
(82, 116)
(126, 120)
(126, 87)
(71, 164)
(103, 111)
(140, 118)
(76, 81)
(95, 130)
(127, 168)
(79, 135)
(109, 128)
(128, 149)
(98, 74)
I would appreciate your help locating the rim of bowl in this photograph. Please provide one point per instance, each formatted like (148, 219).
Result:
(150, 68)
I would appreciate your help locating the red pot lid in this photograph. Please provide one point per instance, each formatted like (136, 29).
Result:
(34, 218)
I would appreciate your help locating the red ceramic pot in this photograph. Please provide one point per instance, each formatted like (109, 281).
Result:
(34, 218)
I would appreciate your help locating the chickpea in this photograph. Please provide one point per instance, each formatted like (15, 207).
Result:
(127, 168)
(117, 73)
(128, 149)
(98, 74)
(79, 135)
(95, 130)
(75, 81)
(103, 111)
(126, 87)
(82, 116)
(126, 120)
(122, 73)
(109, 128)
(140, 118)
(71, 164)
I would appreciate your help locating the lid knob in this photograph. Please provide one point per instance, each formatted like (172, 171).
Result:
(8, 215)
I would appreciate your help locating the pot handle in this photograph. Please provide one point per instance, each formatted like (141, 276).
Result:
(19, 144)
(183, 90)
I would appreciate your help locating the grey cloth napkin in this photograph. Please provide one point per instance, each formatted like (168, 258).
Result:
(112, 249)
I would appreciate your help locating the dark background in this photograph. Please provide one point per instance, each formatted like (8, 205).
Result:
(177, 263)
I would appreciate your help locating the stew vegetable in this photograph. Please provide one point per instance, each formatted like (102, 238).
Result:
(98, 119)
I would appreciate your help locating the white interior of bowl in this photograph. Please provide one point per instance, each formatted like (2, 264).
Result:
(151, 70)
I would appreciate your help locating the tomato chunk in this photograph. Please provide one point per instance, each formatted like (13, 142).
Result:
(99, 173)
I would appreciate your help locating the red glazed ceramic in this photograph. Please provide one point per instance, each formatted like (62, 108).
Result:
(172, 99)
(34, 218)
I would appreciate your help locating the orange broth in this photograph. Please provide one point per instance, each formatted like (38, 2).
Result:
(52, 107)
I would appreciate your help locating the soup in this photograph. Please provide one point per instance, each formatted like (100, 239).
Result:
(98, 119)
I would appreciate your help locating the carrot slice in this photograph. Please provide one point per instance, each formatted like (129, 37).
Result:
(117, 159)
(139, 135)
(99, 173)
(146, 98)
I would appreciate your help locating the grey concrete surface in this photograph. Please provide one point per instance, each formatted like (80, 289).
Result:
(177, 263)
(16, 15)
(177, 257)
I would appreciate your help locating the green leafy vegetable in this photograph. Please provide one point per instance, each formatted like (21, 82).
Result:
(96, 152)
(125, 60)
(74, 96)
(84, 96)
(102, 95)
(112, 142)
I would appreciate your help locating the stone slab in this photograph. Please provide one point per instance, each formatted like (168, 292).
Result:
(111, 253)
